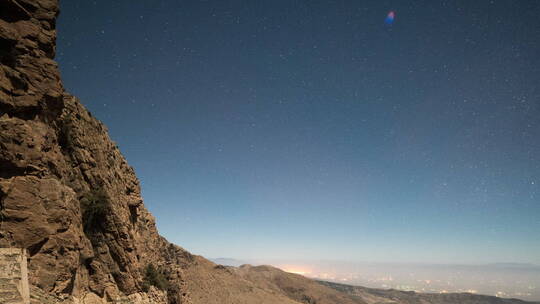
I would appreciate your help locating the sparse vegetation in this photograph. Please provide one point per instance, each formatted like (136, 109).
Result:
(2, 210)
(95, 205)
(2, 215)
(154, 277)
(65, 137)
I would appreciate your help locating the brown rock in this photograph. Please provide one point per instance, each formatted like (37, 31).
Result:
(53, 156)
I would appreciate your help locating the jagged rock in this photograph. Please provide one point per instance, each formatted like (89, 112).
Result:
(53, 156)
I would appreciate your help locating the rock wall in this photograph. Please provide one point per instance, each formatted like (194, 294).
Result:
(13, 276)
(67, 194)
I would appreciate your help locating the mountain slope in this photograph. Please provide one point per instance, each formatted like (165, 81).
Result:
(308, 291)
(294, 286)
(215, 284)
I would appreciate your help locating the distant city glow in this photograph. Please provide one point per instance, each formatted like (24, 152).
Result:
(513, 281)
(296, 270)
(300, 272)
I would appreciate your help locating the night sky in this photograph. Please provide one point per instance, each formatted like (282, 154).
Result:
(317, 129)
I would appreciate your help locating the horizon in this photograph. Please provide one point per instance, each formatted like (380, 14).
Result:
(501, 280)
(382, 262)
(291, 131)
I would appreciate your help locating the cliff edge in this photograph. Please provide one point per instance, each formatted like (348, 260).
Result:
(67, 194)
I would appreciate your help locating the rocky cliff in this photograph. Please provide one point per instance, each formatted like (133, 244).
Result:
(67, 195)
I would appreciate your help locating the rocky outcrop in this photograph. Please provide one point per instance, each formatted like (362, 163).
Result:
(67, 194)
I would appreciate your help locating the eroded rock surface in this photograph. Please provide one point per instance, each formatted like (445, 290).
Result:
(56, 163)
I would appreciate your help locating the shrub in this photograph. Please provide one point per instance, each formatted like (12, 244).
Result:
(2, 215)
(95, 206)
(66, 138)
(2, 209)
(154, 277)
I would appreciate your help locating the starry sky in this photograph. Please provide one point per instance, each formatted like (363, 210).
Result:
(315, 130)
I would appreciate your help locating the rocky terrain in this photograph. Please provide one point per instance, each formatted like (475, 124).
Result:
(68, 196)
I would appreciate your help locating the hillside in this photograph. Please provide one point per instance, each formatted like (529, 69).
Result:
(294, 286)
(375, 296)
(69, 197)
(305, 290)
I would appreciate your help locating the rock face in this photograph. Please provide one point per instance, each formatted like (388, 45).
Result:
(67, 195)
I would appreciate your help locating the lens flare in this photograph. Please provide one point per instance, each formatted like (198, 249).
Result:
(390, 18)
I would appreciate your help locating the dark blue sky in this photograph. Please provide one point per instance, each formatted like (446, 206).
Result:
(314, 130)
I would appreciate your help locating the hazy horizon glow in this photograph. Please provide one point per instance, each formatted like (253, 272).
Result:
(313, 130)
(520, 281)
